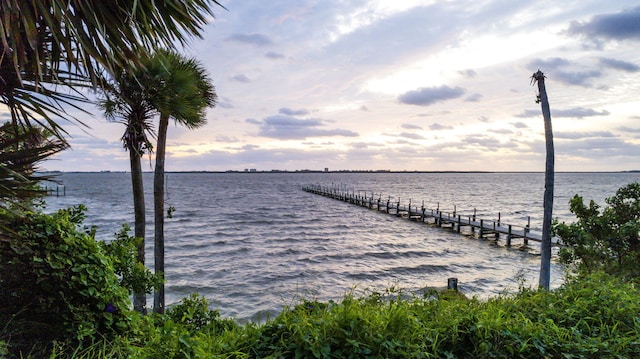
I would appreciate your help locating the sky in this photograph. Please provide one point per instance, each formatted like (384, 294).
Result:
(402, 85)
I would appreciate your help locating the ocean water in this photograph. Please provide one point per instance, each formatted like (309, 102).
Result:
(252, 243)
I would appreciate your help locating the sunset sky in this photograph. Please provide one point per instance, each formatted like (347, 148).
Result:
(403, 85)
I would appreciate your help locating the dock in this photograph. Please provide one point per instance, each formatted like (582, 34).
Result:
(467, 224)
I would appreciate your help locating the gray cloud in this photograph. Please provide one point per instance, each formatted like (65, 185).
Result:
(439, 127)
(413, 136)
(577, 78)
(619, 65)
(553, 62)
(290, 112)
(520, 125)
(273, 55)
(628, 129)
(241, 78)
(468, 73)
(582, 135)
(502, 131)
(576, 112)
(252, 39)
(620, 26)
(285, 127)
(426, 96)
(473, 98)
(409, 126)
(252, 121)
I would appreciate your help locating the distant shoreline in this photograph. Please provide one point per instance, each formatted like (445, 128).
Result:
(345, 171)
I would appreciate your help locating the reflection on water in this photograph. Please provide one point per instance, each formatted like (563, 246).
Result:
(253, 242)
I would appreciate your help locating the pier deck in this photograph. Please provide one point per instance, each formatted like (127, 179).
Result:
(483, 228)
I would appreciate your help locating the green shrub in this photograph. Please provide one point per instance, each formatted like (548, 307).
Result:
(57, 283)
(123, 254)
(606, 239)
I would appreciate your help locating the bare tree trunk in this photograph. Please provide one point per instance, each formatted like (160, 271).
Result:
(545, 246)
(158, 213)
(139, 299)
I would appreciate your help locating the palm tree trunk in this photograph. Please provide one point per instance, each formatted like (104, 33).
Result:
(545, 246)
(139, 299)
(158, 212)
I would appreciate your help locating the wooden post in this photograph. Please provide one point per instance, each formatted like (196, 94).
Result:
(452, 284)
(509, 237)
(481, 228)
(458, 224)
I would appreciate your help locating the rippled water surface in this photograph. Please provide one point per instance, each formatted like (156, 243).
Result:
(254, 242)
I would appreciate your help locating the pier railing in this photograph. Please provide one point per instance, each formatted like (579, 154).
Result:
(482, 227)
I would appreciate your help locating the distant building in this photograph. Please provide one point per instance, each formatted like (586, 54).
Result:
(326, 169)
(253, 170)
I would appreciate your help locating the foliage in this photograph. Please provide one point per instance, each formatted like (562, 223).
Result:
(193, 312)
(593, 317)
(123, 251)
(20, 152)
(57, 283)
(48, 43)
(604, 239)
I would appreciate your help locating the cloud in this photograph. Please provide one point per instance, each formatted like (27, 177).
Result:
(576, 112)
(473, 98)
(409, 126)
(286, 127)
(226, 139)
(520, 125)
(619, 26)
(273, 55)
(619, 65)
(252, 39)
(483, 119)
(426, 96)
(413, 136)
(290, 112)
(577, 78)
(468, 73)
(553, 62)
(502, 131)
(582, 135)
(439, 127)
(241, 78)
(628, 129)
(252, 121)
(364, 108)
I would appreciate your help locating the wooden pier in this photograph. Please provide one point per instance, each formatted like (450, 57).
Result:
(483, 228)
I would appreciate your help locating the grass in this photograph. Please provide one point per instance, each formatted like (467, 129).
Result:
(590, 317)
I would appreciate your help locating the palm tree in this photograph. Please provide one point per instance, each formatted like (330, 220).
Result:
(125, 100)
(185, 94)
(54, 41)
(48, 47)
(545, 246)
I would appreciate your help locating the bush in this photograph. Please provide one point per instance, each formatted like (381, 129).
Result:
(57, 283)
(604, 240)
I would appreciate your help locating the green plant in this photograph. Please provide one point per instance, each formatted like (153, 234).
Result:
(57, 283)
(194, 314)
(604, 239)
(123, 253)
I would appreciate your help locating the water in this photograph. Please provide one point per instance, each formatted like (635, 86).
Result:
(252, 243)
